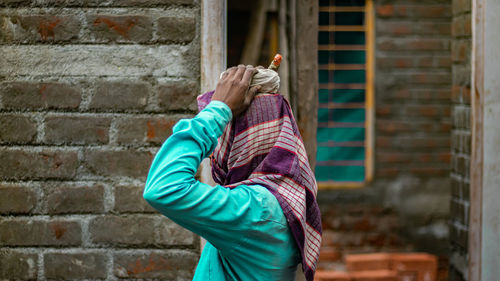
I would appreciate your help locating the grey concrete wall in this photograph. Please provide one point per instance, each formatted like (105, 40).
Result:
(88, 92)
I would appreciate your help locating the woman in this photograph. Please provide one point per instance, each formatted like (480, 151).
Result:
(262, 219)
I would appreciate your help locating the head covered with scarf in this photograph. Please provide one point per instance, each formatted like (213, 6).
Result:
(263, 146)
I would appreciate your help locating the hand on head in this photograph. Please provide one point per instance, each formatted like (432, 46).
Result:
(234, 89)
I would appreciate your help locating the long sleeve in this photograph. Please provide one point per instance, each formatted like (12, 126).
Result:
(215, 213)
(245, 224)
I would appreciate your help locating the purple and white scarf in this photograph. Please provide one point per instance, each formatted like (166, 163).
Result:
(263, 146)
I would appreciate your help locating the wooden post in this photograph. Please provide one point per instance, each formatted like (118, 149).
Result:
(484, 225)
(292, 31)
(307, 74)
(476, 161)
(284, 70)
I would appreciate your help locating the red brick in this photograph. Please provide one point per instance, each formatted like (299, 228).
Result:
(429, 11)
(383, 110)
(64, 199)
(432, 28)
(120, 95)
(423, 157)
(420, 78)
(166, 264)
(402, 94)
(427, 110)
(329, 254)
(461, 26)
(121, 163)
(389, 127)
(430, 171)
(437, 93)
(36, 95)
(16, 264)
(328, 235)
(443, 157)
(375, 275)
(176, 29)
(129, 230)
(363, 224)
(376, 240)
(432, 61)
(401, 28)
(17, 199)
(423, 266)
(349, 239)
(39, 28)
(46, 164)
(385, 10)
(76, 129)
(383, 141)
(17, 128)
(323, 275)
(413, 11)
(370, 262)
(123, 28)
(419, 142)
(395, 62)
(39, 232)
(394, 28)
(460, 50)
(387, 171)
(426, 61)
(393, 157)
(461, 6)
(410, 44)
(58, 265)
(178, 95)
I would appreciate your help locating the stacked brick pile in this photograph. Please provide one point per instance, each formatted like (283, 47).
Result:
(88, 92)
(350, 229)
(384, 267)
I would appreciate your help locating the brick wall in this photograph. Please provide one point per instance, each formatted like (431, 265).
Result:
(413, 80)
(88, 92)
(460, 138)
(412, 133)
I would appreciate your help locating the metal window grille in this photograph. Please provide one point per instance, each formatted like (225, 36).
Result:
(345, 114)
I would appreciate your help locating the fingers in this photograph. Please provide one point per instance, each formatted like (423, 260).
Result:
(228, 73)
(240, 70)
(249, 73)
(251, 94)
(260, 67)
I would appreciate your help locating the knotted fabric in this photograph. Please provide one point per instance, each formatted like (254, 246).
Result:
(263, 147)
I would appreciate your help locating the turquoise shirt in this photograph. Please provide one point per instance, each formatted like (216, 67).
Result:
(247, 234)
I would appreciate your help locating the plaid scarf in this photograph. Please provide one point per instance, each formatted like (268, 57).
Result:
(263, 146)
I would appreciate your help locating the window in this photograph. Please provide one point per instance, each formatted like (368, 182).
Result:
(345, 114)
